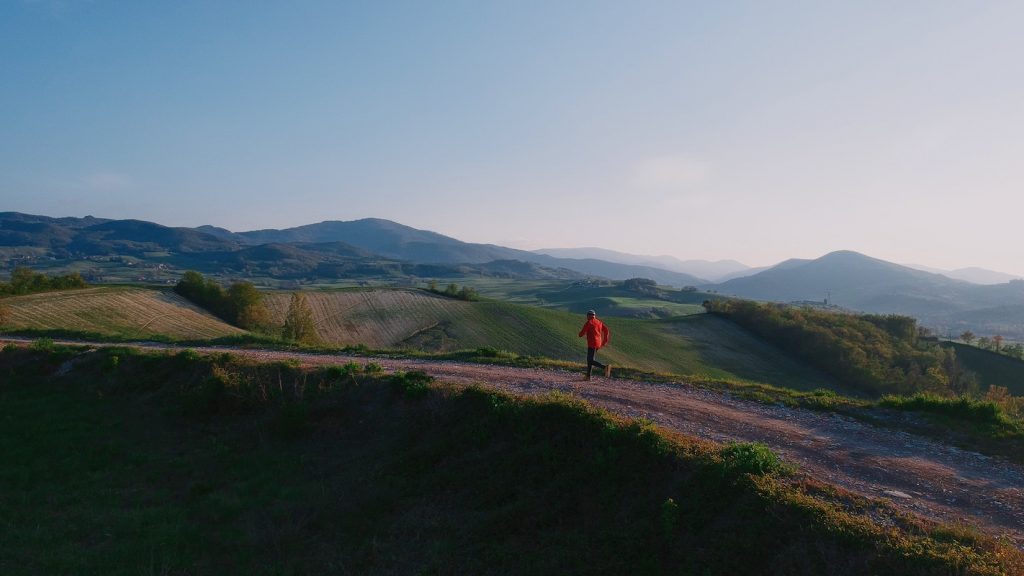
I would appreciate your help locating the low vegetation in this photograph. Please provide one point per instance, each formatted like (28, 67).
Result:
(298, 324)
(453, 290)
(124, 462)
(875, 354)
(25, 281)
(241, 304)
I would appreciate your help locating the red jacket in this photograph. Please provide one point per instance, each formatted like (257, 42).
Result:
(597, 333)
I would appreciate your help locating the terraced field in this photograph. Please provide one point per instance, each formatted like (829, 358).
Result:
(116, 311)
(403, 318)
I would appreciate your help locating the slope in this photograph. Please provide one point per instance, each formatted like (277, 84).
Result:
(116, 311)
(129, 463)
(697, 345)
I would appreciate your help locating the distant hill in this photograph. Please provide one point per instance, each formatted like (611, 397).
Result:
(96, 236)
(981, 275)
(859, 282)
(709, 271)
(971, 274)
(854, 280)
(397, 241)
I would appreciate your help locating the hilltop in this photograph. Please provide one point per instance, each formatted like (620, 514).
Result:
(858, 282)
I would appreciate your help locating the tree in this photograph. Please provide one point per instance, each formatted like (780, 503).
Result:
(23, 280)
(997, 340)
(298, 324)
(246, 306)
(967, 336)
(645, 285)
(468, 293)
(984, 342)
(206, 293)
(1014, 350)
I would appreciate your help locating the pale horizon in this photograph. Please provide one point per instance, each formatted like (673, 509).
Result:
(747, 132)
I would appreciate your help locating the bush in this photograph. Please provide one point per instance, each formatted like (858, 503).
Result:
(414, 384)
(43, 345)
(751, 458)
(983, 412)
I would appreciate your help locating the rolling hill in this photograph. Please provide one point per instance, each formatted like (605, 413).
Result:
(397, 318)
(715, 271)
(346, 247)
(381, 250)
(116, 311)
(862, 283)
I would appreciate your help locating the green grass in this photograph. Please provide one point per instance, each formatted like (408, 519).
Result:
(963, 409)
(159, 464)
(972, 424)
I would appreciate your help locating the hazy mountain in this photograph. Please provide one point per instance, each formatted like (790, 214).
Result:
(859, 282)
(713, 271)
(394, 240)
(981, 275)
(331, 249)
(971, 274)
(854, 280)
(743, 273)
(97, 236)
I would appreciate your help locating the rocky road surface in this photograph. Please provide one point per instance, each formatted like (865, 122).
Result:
(916, 474)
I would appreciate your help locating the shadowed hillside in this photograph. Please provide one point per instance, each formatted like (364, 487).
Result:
(151, 463)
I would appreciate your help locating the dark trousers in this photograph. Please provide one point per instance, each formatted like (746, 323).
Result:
(591, 362)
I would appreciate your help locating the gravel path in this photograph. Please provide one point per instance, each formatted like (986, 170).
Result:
(917, 474)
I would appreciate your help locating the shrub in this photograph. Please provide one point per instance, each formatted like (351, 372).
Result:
(43, 345)
(414, 384)
(984, 412)
(740, 458)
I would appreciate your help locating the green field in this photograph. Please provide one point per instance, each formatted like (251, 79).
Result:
(393, 318)
(688, 345)
(608, 299)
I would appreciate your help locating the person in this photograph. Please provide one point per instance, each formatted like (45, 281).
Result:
(597, 335)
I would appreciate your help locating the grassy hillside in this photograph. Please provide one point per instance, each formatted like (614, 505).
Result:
(700, 345)
(115, 311)
(993, 369)
(607, 299)
(156, 464)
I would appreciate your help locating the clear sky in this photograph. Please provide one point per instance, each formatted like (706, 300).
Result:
(754, 130)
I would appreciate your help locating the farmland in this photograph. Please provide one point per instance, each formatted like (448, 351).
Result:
(401, 318)
(116, 311)
(410, 319)
(608, 299)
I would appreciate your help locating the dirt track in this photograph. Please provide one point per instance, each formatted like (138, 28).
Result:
(916, 474)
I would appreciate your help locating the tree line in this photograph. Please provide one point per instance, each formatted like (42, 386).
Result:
(26, 281)
(878, 354)
(994, 344)
(453, 290)
(242, 305)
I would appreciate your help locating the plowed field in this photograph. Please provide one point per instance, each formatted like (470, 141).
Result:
(116, 311)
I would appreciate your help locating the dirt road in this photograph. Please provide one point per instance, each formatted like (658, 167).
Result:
(916, 474)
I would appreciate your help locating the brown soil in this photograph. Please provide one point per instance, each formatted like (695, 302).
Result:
(916, 474)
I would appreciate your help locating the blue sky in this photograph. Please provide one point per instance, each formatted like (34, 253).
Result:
(750, 130)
